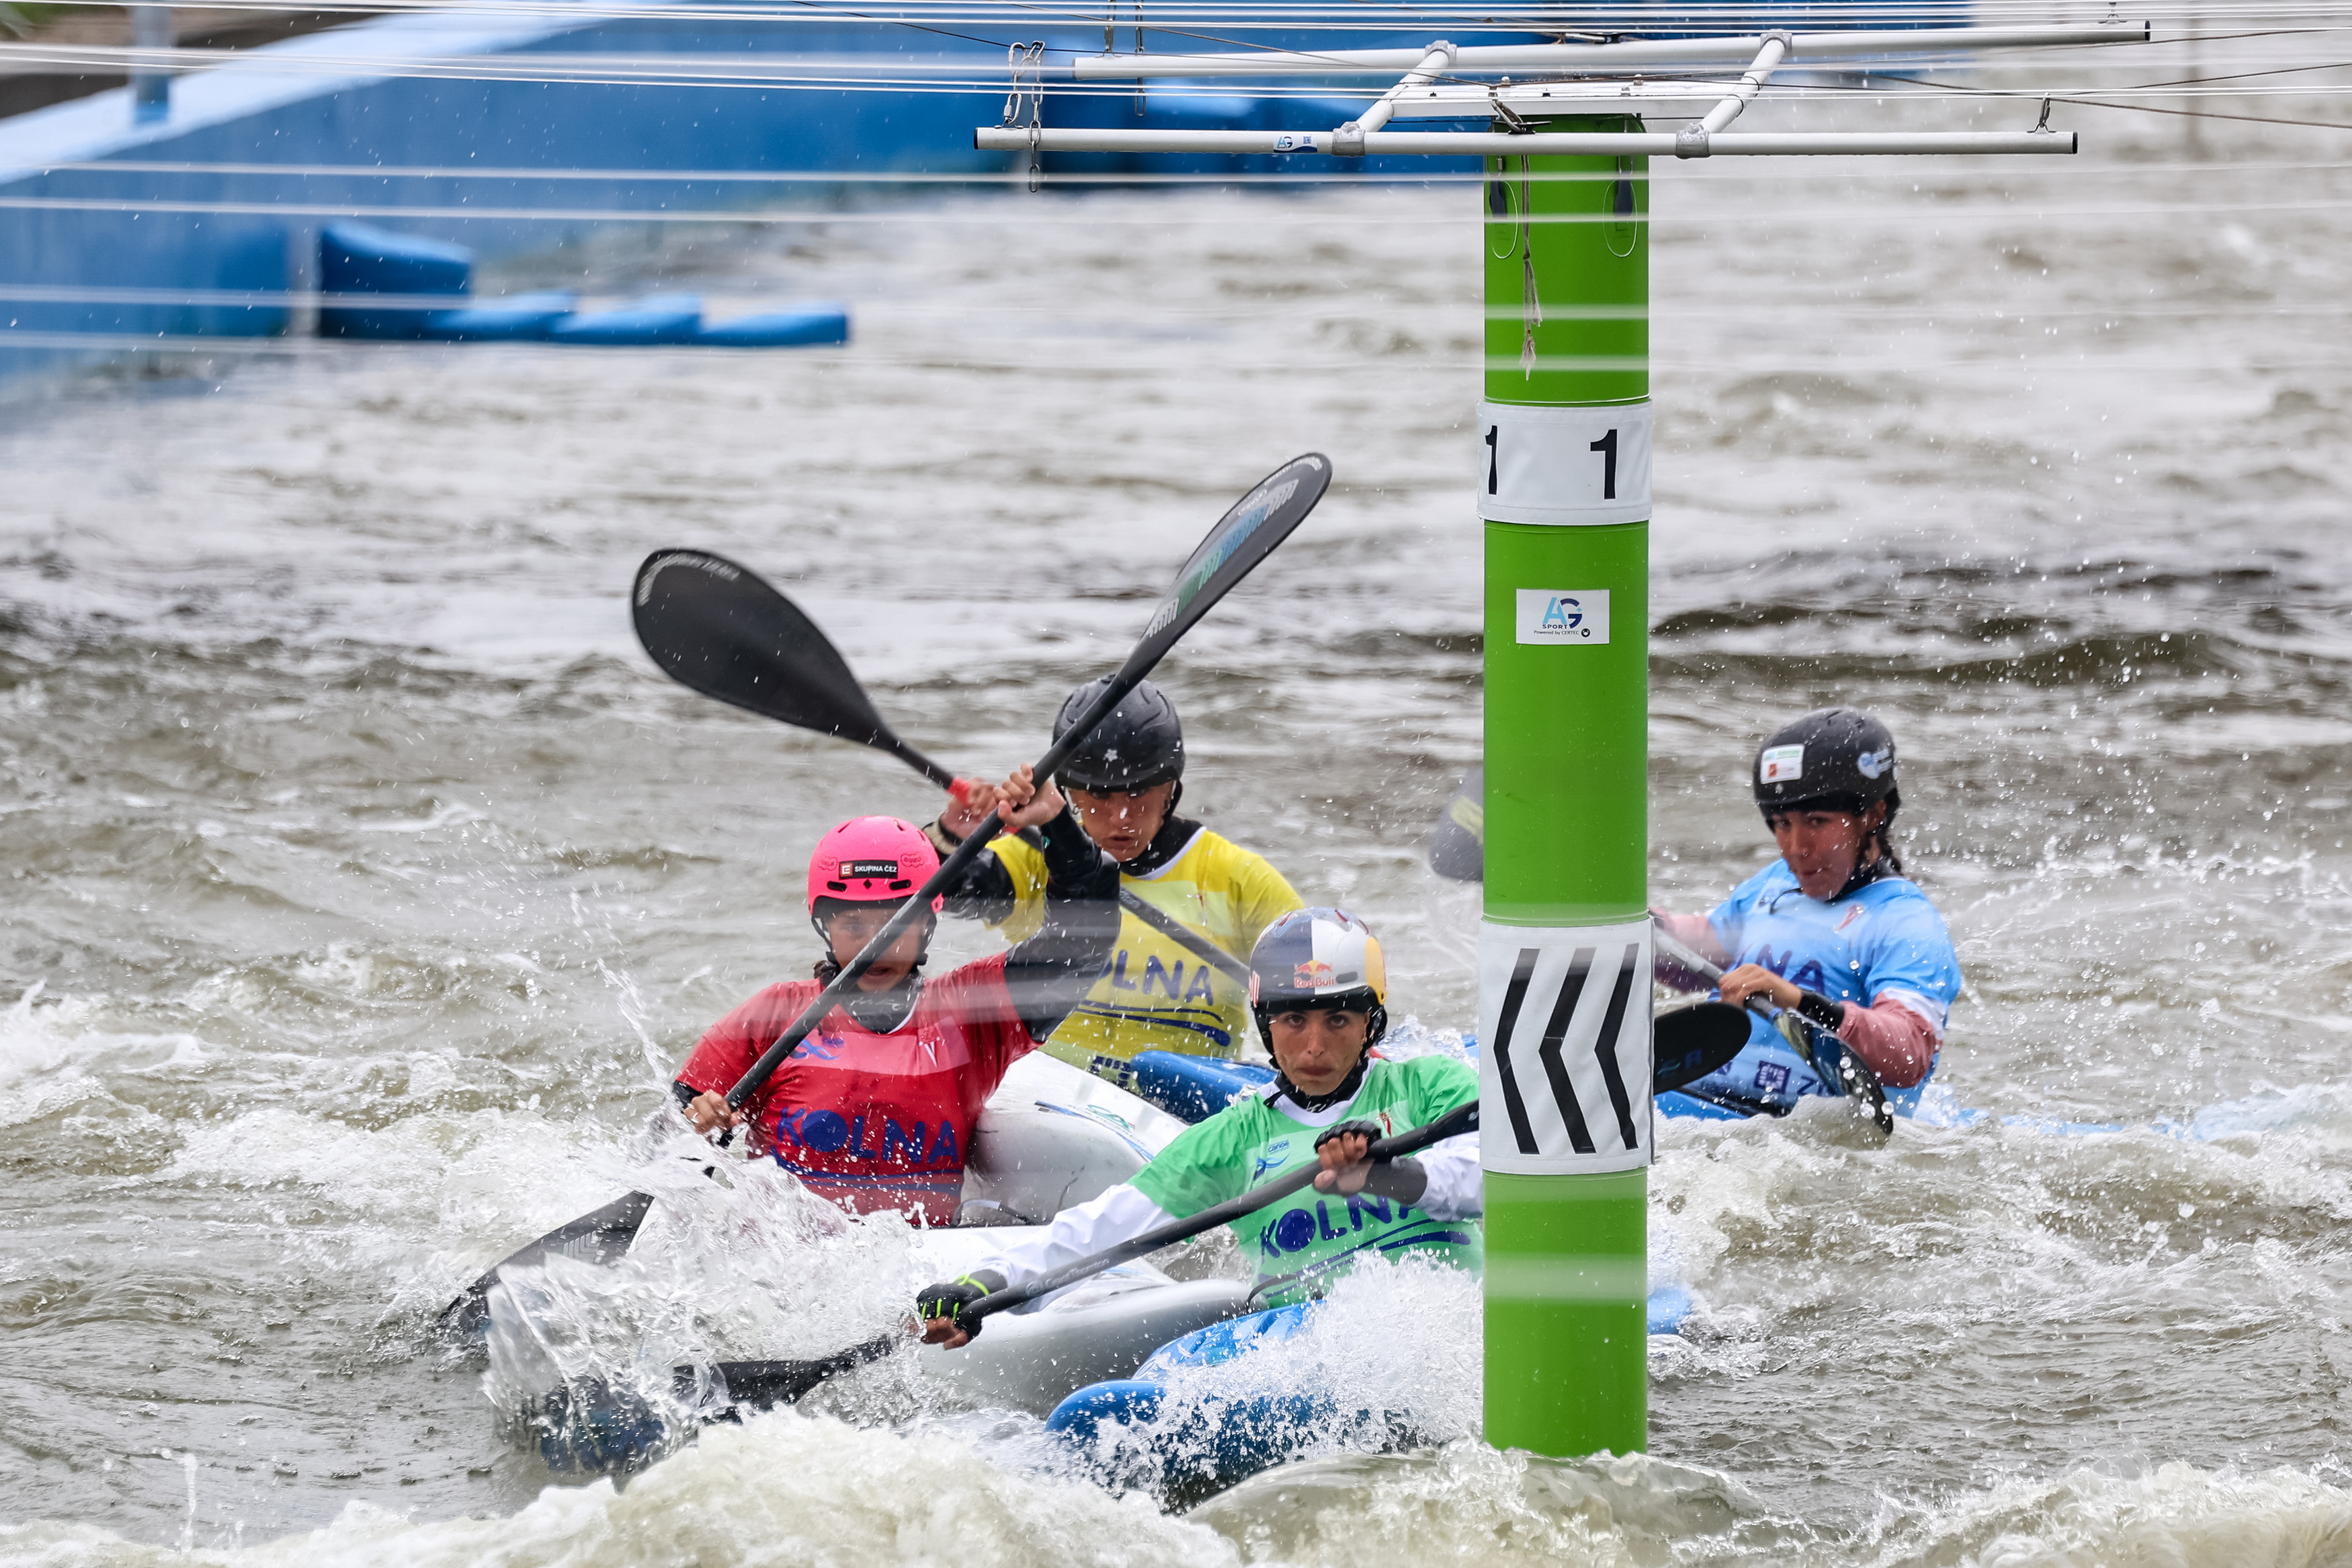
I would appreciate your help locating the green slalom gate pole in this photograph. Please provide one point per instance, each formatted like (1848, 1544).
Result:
(1564, 951)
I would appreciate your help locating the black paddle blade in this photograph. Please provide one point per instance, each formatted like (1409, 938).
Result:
(764, 1385)
(719, 628)
(598, 1238)
(593, 1427)
(1689, 1043)
(1244, 536)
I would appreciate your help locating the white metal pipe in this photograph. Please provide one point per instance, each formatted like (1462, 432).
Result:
(1638, 54)
(1775, 48)
(1347, 142)
(1696, 139)
(1452, 144)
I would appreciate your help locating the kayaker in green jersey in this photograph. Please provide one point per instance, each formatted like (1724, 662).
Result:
(1154, 995)
(1319, 992)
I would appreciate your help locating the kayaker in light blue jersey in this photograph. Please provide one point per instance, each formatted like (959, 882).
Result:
(1832, 930)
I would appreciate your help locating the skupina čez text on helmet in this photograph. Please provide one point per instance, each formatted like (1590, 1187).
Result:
(867, 861)
(1318, 958)
(1833, 759)
(1137, 744)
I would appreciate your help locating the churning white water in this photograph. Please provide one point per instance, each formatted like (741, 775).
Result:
(365, 882)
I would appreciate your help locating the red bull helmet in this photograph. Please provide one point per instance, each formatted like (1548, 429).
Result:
(1318, 958)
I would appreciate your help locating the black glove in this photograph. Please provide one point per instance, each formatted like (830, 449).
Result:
(1403, 1180)
(1361, 1127)
(946, 1302)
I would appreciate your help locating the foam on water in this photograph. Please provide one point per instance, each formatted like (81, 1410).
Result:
(781, 1489)
(365, 884)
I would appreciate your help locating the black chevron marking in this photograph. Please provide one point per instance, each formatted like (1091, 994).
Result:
(1514, 997)
(1605, 1047)
(1572, 990)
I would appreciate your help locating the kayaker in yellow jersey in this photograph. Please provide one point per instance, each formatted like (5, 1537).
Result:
(1154, 995)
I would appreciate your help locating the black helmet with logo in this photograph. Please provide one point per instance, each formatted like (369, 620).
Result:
(1139, 743)
(1833, 759)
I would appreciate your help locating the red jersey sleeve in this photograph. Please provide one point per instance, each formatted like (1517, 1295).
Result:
(977, 995)
(729, 1047)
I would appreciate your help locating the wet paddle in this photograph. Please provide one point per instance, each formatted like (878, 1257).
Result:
(730, 635)
(1687, 1043)
(760, 648)
(1461, 1119)
(1844, 1068)
(1244, 536)
(594, 1427)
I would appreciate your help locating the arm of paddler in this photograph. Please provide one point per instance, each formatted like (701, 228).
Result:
(985, 891)
(726, 1051)
(1891, 1035)
(1457, 1189)
(1052, 972)
(1119, 1214)
(1696, 932)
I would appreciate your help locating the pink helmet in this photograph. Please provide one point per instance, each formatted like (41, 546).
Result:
(870, 860)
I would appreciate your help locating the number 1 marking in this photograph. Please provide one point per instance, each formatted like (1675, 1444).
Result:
(1492, 431)
(1607, 447)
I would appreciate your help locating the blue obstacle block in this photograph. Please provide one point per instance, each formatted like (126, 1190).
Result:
(656, 320)
(360, 258)
(1191, 1088)
(519, 318)
(802, 326)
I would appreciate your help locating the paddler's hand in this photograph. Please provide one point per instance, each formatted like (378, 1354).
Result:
(1755, 980)
(1024, 802)
(938, 1309)
(708, 1111)
(969, 803)
(1348, 1168)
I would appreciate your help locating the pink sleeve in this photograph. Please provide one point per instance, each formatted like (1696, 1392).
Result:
(1897, 1043)
(1693, 932)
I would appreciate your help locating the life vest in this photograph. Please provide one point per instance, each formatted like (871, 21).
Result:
(1154, 993)
(1884, 937)
(1301, 1242)
(873, 1120)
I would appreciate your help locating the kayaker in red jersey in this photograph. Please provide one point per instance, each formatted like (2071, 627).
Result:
(876, 1108)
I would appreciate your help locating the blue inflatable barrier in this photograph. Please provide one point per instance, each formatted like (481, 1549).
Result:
(804, 327)
(658, 320)
(360, 258)
(1191, 1088)
(357, 258)
(519, 318)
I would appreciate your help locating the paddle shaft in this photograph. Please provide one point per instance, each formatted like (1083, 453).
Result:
(1250, 530)
(1166, 924)
(1461, 1119)
(1861, 1084)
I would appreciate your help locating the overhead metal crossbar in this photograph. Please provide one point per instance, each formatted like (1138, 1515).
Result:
(1578, 79)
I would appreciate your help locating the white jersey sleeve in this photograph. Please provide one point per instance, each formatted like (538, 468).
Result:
(1122, 1214)
(1456, 1189)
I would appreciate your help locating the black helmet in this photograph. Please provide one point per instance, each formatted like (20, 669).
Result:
(1833, 759)
(1139, 743)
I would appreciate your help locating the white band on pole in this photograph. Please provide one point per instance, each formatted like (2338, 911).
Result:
(1564, 1059)
(1547, 464)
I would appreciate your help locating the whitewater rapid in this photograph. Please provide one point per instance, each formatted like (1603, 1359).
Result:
(365, 883)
